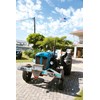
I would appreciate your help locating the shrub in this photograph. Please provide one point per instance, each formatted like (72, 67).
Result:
(35, 52)
(31, 53)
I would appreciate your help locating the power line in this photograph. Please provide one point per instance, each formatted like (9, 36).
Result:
(28, 19)
(24, 19)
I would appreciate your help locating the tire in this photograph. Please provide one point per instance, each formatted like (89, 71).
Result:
(67, 70)
(27, 75)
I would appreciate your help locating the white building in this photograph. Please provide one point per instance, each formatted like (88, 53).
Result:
(78, 48)
(23, 45)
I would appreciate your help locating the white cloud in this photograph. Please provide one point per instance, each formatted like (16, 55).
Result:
(51, 27)
(77, 18)
(49, 2)
(62, 0)
(64, 28)
(54, 25)
(43, 29)
(40, 16)
(22, 8)
(64, 12)
(28, 10)
(26, 24)
(50, 19)
(57, 28)
(38, 5)
(53, 12)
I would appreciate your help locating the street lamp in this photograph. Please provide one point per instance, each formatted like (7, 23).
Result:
(33, 20)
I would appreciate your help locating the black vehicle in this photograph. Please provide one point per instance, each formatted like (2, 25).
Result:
(18, 54)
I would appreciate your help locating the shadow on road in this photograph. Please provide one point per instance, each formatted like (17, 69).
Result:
(71, 84)
(23, 58)
(76, 61)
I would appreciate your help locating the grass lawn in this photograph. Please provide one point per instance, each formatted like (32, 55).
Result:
(24, 59)
(80, 97)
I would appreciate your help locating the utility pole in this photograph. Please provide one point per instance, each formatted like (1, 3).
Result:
(54, 48)
(34, 25)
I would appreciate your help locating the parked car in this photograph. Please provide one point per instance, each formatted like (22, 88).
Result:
(18, 54)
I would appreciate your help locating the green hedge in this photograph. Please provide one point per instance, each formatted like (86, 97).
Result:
(31, 53)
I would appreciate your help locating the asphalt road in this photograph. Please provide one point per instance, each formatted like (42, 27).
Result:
(45, 88)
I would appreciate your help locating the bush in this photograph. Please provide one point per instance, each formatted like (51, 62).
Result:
(35, 52)
(31, 53)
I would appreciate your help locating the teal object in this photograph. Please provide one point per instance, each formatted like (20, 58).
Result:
(48, 55)
(44, 72)
(57, 75)
(45, 54)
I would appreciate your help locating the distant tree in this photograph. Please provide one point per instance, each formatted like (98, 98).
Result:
(68, 42)
(61, 43)
(48, 43)
(35, 39)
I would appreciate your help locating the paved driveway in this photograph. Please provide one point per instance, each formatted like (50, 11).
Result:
(43, 89)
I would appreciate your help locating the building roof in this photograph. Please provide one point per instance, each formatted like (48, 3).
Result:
(78, 33)
(78, 45)
(22, 41)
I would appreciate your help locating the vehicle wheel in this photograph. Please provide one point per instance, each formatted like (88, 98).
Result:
(67, 70)
(27, 75)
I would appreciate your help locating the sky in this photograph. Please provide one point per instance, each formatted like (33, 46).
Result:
(53, 18)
